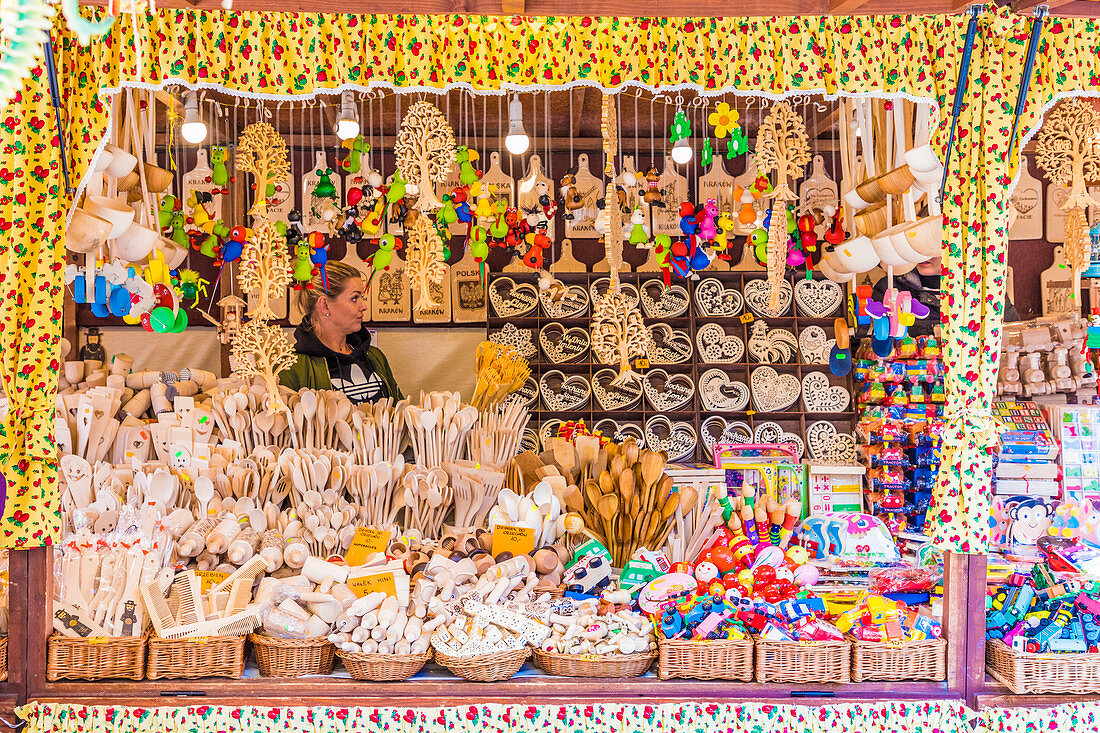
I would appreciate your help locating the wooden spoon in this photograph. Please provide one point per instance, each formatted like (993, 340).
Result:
(608, 507)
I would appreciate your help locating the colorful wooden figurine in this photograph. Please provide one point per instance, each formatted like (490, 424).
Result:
(354, 150)
(570, 194)
(220, 175)
(324, 188)
(319, 254)
(539, 243)
(725, 233)
(638, 233)
(191, 285)
(652, 195)
(233, 246)
(708, 229)
(303, 266)
(381, 259)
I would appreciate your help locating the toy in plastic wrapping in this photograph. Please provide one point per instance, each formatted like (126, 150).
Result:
(847, 536)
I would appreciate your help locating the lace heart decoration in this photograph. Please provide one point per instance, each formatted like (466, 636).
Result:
(666, 392)
(718, 393)
(613, 399)
(676, 439)
(663, 301)
(549, 430)
(715, 429)
(824, 443)
(526, 395)
(715, 347)
(771, 345)
(563, 394)
(599, 288)
(669, 345)
(758, 296)
(813, 345)
(521, 339)
(619, 432)
(563, 346)
(715, 300)
(772, 391)
(773, 432)
(818, 395)
(572, 304)
(817, 298)
(510, 299)
(530, 441)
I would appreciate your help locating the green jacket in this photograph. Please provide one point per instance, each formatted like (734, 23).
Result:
(312, 372)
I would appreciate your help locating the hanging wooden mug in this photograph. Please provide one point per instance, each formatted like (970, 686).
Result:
(86, 232)
(113, 210)
(857, 255)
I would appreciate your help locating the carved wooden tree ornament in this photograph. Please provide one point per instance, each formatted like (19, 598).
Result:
(424, 263)
(1067, 151)
(425, 151)
(265, 268)
(262, 350)
(782, 148)
(262, 152)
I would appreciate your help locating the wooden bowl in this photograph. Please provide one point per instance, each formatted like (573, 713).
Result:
(87, 232)
(113, 210)
(857, 255)
(830, 268)
(157, 179)
(925, 236)
(871, 221)
(135, 244)
(121, 161)
(129, 182)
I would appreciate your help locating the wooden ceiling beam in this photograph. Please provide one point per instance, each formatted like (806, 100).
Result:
(844, 7)
(1026, 6)
(512, 7)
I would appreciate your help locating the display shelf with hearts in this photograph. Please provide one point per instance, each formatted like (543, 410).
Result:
(694, 411)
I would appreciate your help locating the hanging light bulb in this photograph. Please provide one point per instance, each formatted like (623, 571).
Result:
(681, 152)
(347, 124)
(193, 129)
(517, 141)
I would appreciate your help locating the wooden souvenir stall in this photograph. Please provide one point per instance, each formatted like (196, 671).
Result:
(660, 240)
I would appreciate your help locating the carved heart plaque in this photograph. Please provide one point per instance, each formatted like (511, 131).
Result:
(719, 393)
(814, 346)
(563, 346)
(715, 300)
(669, 345)
(620, 432)
(818, 395)
(773, 432)
(817, 298)
(772, 391)
(599, 287)
(758, 296)
(548, 430)
(771, 345)
(613, 399)
(526, 394)
(510, 299)
(561, 393)
(661, 301)
(666, 392)
(572, 304)
(824, 443)
(677, 440)
(715, 429)
(715, 347)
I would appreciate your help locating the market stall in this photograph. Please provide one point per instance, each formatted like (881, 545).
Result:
(700, 315)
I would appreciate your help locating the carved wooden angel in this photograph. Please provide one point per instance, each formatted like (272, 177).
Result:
(425, 151)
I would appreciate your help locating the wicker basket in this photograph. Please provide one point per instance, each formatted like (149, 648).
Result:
(115, 657)
(485, 667)
(803, 661)
(705, 660)
(382, 667)
(593, 665)
(1024, 673)
(911, 660)
(292, 657)
(190, 659)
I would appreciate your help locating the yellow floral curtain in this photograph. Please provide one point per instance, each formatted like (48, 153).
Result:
(288, 55)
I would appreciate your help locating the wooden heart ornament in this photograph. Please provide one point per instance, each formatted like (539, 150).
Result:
(719, 393)
(511, 299)
(772, 432)
(563, 394)
(599, 288)
(817, 298)
(813, 345)
(549, 430)
(666, 392)
(669, 345)
(614, 398)
(715, 300)
(715, 347)
(818, 395)
(663, 301)
(562, 345)
(619, 431)
(716, 429)
(758, 296)
(772, 391)
(676, 439)
(526, 395)
(573, 302)
(824, 443)
(530, 441)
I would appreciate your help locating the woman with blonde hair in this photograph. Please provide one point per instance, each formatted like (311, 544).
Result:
(333, 344)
